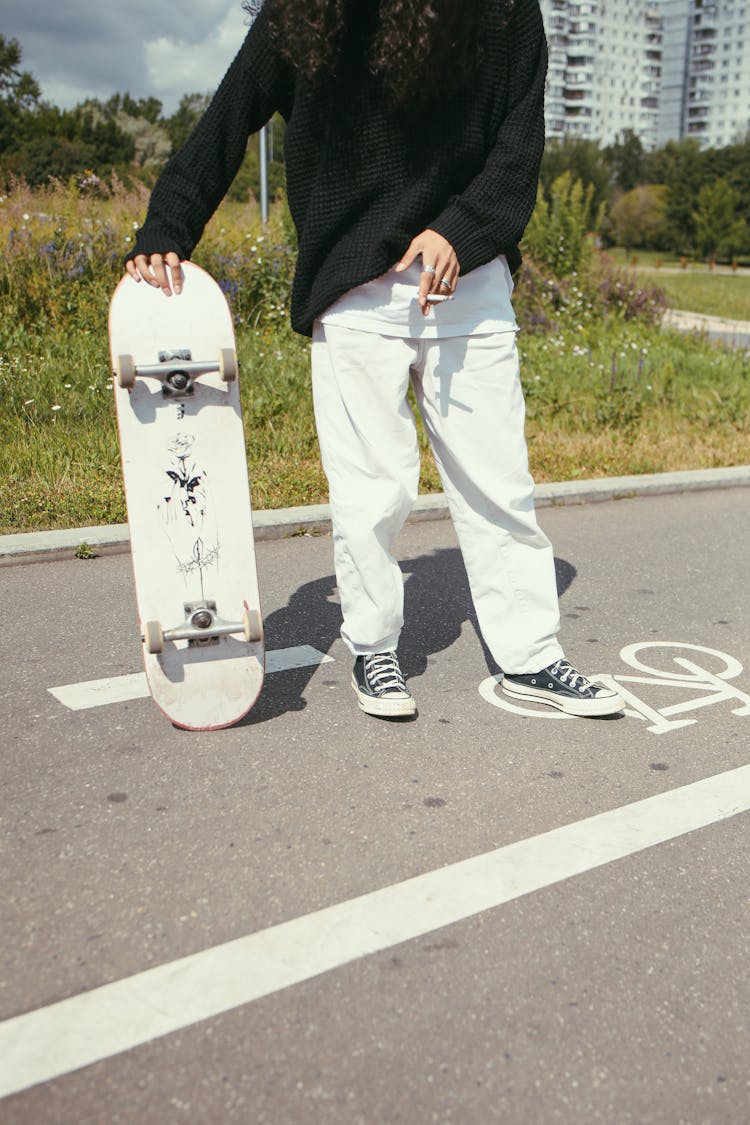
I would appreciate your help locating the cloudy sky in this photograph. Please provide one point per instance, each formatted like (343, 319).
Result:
(93, 48)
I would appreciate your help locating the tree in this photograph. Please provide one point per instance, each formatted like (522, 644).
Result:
(139, 120)
(49, 142)
(556, 235)
(682, 166)
(720, 232)
(626, 159)
(585, 162)
(122, 105)
(732, 163)
(638, 217)
(19, 91)
(181, 124)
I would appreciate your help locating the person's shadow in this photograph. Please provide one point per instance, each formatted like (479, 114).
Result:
(436, 604)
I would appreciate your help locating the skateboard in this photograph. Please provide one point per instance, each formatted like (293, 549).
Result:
(184, 468)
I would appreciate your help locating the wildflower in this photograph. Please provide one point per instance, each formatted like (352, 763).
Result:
(68, 386)
(26, 216)
(57, 408)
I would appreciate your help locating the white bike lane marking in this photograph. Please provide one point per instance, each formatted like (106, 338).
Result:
(693, 678)
(120, 689)
(47, 1043)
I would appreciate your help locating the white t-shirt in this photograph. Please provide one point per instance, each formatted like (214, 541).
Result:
(388, 305)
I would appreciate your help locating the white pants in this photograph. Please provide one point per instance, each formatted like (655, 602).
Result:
(469, 393)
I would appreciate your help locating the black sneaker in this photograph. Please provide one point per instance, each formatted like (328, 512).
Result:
(563, 687)
(380, 686)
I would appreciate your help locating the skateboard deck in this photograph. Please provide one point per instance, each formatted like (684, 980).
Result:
(188, 500)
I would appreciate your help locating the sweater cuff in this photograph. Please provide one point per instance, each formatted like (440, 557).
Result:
(472, 246)
(153, 238)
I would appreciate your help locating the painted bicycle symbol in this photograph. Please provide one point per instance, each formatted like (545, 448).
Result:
(706, 685)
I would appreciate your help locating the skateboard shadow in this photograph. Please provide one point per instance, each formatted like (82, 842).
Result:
(437, 602)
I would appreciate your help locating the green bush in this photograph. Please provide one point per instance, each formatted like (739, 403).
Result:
(556, 234)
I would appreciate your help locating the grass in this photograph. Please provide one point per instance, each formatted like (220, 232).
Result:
(665, 259)
(605, 395)
(724, 295)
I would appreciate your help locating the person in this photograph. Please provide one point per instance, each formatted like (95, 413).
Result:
(414, 136)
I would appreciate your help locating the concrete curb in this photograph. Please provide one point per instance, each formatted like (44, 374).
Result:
(280, 523)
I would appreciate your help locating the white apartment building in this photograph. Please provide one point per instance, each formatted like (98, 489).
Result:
(604, 68)
(706, 71)
(666, 69)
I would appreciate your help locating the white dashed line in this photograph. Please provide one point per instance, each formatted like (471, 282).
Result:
(119, 689)
(74, 1033)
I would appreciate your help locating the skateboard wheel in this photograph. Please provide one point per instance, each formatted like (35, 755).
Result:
(253, 624)
(125, 371)
(228, 368)
(153, 637)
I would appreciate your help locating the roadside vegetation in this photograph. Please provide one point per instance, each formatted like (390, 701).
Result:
(608, 391)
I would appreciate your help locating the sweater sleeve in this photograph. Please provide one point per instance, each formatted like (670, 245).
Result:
(197, 177)
(489, 217)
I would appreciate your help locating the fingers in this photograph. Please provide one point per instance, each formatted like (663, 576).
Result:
(152, 268)
(173, 261)
(440, 269)
(411, 255)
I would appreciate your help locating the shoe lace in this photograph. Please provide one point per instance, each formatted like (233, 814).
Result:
(383, 672)
(569, 675)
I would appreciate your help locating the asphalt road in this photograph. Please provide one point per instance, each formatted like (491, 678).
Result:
(613, 989)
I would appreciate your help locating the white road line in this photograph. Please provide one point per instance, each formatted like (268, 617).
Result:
(84, 1029)
(119, 689)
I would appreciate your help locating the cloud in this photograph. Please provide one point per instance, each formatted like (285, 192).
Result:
(182, 67)
(83, 48)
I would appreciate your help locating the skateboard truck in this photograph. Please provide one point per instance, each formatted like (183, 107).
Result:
(202, 626)
(176, 370)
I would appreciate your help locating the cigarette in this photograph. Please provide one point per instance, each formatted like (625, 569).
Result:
(436, 298)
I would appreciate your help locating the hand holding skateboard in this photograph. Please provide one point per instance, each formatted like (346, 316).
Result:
(151, 268)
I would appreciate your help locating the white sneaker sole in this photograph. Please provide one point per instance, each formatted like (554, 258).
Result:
(384, 708)
(581, 708)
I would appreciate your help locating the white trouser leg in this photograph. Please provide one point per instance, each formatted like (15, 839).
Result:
(370, 455)
(469, 392)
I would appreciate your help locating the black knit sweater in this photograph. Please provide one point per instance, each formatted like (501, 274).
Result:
(364, 179)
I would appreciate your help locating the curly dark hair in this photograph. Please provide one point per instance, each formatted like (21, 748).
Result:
(419, 48)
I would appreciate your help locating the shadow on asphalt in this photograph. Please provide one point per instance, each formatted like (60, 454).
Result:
(436, 605)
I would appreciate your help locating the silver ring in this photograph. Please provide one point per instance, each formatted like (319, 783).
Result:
(444, 281)
(429, 269)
